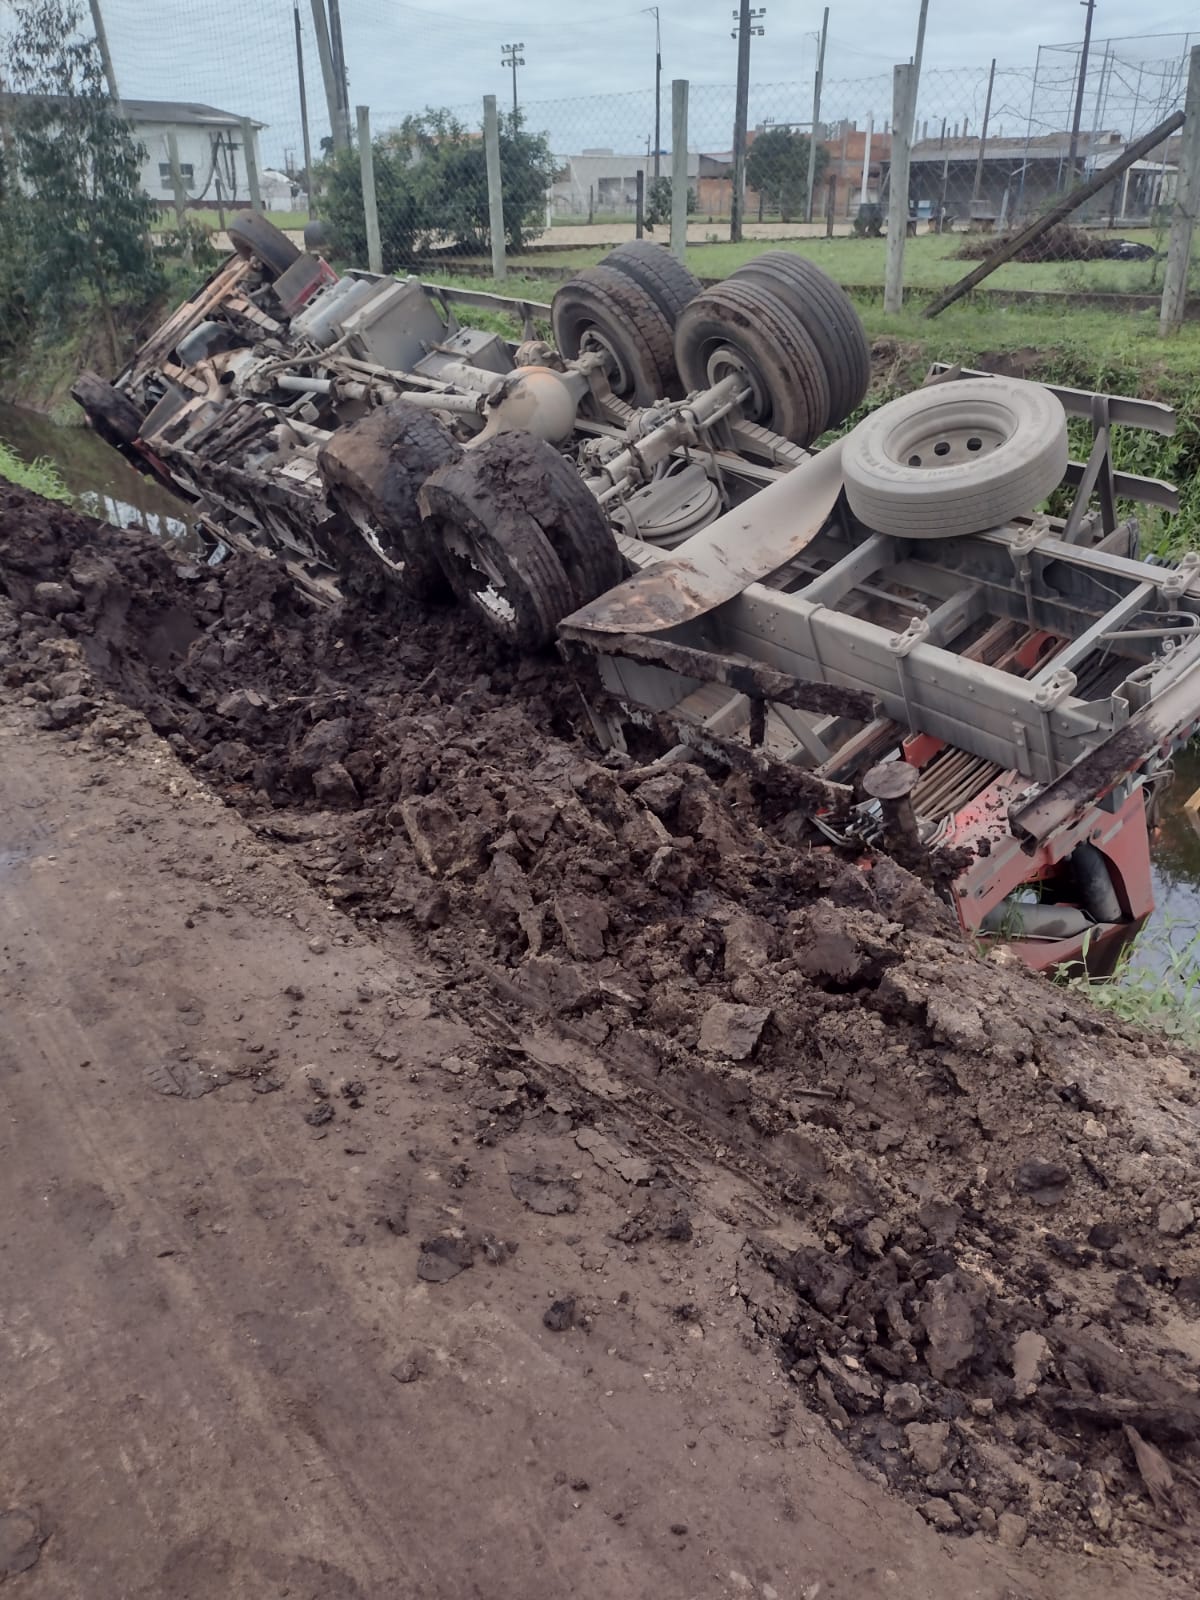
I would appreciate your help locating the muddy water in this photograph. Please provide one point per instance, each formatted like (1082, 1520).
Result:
(102, 481)
(106, 486)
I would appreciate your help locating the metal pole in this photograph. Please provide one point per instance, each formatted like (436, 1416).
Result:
(866, 171)
(251, 155)
(679, 167)
(491, 145)
(1028, 135)
(1187, 203)
(740, 112)
(339, 66)
(920, 50)
(904, 84)
(178, 190)
(110, 76)
(366, 163)
(308, 171)
(640, 206)
(983, 132)
(1077, 115)
(337, 127)
(816, 116)
(653, 11)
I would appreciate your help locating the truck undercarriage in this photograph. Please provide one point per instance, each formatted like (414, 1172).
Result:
(937, 632)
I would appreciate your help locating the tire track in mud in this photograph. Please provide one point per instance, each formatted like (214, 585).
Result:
(995, 1294)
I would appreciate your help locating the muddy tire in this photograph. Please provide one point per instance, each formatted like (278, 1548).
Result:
(523, 541)
(112, 414)
(653, 268)
(603, 309)
(743, 327)
(372, 471)
(829, 318)
(251, 234)
(956, 458)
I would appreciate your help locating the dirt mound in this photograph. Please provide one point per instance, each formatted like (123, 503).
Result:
(991, 1283)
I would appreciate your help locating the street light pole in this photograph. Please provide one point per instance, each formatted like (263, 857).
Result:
(748, 22)
(653, 11)
(510, 57)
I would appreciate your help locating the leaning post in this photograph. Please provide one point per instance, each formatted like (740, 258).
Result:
(491, 145)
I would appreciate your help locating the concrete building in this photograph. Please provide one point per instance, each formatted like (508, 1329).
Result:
(601, 182)
(210, 152)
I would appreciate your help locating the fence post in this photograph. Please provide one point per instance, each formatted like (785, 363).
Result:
(903, 110)
(491, 145)
(1187, 203)
(251, 158)
(177, 188)
(366, 163)
(816, 117)
(639, 216)
(679, 166)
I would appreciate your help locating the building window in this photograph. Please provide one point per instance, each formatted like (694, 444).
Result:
(186, 170)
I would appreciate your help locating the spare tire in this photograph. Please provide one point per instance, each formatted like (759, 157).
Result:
(743, 327)
(605, 310)
(956, 458)
(251, 234)
(653, 268)
(830, 319)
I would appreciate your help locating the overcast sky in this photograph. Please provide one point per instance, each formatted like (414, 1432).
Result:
(240, 55)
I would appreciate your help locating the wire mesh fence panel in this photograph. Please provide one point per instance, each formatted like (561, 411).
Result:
(992, 146)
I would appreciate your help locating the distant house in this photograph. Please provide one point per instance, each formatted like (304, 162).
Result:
(1019, 175)
(211, 158)
(210, 151)
(602, 182)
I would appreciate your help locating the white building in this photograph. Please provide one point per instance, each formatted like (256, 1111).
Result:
(604, 182)
(210, 152)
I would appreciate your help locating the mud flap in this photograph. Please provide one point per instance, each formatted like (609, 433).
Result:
(716, 564)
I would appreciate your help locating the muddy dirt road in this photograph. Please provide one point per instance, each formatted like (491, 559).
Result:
(436, 1162)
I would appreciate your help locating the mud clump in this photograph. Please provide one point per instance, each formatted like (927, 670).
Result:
(992, 1282)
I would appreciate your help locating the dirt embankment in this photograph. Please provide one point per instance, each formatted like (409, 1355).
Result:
(994, 1295)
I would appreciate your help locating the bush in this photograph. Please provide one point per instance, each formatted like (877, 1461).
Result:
(431, 189)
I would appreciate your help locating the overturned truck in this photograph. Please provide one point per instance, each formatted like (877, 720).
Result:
(894, 625)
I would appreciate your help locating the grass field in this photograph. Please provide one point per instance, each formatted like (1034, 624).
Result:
(165, 220)
(930, 262)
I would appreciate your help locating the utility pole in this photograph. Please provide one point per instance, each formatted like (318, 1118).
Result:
(653, 11)
(510, 57)
(1089, 6)
(918, 54)
(983, 132)
(748, 23)
(338, 125)
(339, 66)
(818, 83)
(308, 171)
(110, 76)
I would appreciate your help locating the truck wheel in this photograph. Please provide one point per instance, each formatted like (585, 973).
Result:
(601, 309)
(955, 458)
(251, 234)
(523, 540)
(829, 318)
(653, 268)
(372, 471)
(745, 328)
(111, 413)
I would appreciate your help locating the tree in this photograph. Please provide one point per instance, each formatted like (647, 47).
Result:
(777, 166)
(431, 188)
(658, 201)
(77, 194)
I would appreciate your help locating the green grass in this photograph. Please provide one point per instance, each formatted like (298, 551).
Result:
(209, 218)
(41, 476)
(930, 262)
(1156, 983)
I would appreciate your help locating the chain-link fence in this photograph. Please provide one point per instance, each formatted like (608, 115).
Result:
(581, 169)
